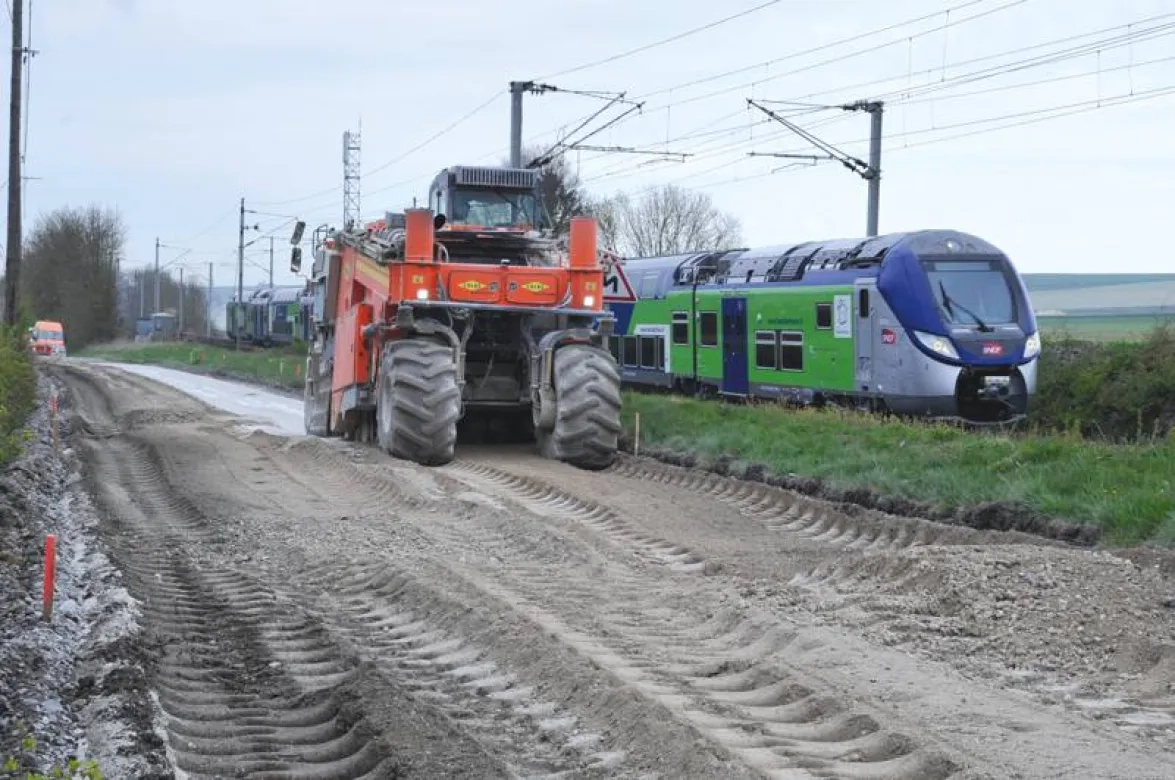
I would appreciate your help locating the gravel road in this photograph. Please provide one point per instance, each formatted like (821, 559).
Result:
(314, 608)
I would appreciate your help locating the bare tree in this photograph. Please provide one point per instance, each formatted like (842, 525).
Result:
(668, 220)
(561, 194)
(70, 272)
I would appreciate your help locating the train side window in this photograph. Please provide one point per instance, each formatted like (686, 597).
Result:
(863, 303)
(791, 351)
(614, 346)
(649, 350)
(630, 351)
(709, 329)
(766, 353)
(824, 316)
(681, 327)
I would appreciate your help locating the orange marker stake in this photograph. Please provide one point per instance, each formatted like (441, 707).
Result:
(50, 576)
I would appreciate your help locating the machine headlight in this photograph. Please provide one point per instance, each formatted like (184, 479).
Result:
(939, 344)
(589, 301)
(1032, 345)
(422, 294)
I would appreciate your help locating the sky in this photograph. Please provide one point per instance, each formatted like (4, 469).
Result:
(170, 112)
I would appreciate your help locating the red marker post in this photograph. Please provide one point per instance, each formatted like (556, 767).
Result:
(50, 576)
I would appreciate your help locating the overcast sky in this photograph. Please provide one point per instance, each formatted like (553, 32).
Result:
(171, 110)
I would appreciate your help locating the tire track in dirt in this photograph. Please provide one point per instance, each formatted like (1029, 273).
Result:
(787, 700)
(247, 684)
(860, 530)
(725, 677)
(433, 652)
(803, 740)
(549, 501)
(875, 572)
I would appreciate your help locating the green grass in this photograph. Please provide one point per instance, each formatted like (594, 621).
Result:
(18, 391)
(1096, 328)
(282, 367)
(1127, 490)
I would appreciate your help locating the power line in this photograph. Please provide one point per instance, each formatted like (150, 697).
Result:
(711, 25)
(815, 49)
(902, 97)
(663, 41)
(1022, 118)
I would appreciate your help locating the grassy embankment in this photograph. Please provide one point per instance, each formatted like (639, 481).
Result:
(1065, 467)
(18, 391)
(280, 367)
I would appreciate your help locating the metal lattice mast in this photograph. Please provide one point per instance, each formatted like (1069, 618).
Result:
(351, 173)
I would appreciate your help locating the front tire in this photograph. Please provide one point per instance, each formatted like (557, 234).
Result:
(419, 402)
(587, 426)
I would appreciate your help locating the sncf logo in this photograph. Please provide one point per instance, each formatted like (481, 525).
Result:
(993, 348)
(888, 336)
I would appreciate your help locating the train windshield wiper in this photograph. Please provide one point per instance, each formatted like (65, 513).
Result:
(951, 304)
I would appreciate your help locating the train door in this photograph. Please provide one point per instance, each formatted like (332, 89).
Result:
(865, 292)
(735, 378)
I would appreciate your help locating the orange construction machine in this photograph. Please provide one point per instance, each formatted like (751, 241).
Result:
(420, 323)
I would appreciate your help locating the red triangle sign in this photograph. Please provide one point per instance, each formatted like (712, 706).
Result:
(616, 286)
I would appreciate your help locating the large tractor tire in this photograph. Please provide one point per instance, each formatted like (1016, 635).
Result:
(419, 402)
(316, 398)
(587, 409)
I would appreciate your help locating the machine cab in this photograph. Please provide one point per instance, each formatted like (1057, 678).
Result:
(487, 197)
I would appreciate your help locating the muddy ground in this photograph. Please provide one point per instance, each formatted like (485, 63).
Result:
(314, 608)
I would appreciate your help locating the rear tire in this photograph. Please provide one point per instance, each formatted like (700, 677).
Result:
(587, 409)
(316, 398)
(419, 402)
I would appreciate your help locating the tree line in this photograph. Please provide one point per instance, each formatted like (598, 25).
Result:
(71, 272)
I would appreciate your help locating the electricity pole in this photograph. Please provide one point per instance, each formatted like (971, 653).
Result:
(870, 172)
(516, 90)
(156, 275)
(240, 325)
(873, 174)
(271, 261)
(13, 259)
(181, 333)
(208, 306)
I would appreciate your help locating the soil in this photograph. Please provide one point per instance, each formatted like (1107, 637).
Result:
(311, 608)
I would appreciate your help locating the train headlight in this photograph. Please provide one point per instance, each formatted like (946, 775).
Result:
(938, 344)
(1032, 345)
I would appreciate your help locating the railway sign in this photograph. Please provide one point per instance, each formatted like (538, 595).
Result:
(617, 288)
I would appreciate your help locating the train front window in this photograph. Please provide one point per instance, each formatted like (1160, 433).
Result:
(972, 292)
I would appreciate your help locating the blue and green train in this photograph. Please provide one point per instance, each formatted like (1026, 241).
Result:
(931, 323)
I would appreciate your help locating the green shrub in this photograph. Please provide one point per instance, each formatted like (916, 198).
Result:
(1115, 391)
(18, 390)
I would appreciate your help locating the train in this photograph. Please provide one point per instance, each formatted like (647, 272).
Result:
(272, 316)
(930, 323)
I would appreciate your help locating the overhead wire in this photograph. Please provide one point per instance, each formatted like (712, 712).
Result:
(974, 76)
(1021, 118)
(482, 106)
(662, 42)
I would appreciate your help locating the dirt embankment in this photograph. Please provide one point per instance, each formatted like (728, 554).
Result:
(505, 614)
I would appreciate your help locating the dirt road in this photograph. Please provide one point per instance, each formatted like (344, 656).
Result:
(317, 609)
